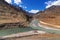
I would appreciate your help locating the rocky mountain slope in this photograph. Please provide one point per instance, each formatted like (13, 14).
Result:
(50, 17)
(11, 16)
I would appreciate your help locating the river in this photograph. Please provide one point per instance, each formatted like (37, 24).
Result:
(35, 25)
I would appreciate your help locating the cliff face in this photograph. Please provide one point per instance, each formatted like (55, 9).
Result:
(11, 15)
(50, 16)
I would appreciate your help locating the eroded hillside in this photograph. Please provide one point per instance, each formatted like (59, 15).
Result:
(50, 16)
(12, 16)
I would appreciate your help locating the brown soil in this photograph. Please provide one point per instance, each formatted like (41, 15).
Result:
(51, 21)
(38, 37)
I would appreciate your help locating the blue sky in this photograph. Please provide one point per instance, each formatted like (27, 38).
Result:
(34, 6)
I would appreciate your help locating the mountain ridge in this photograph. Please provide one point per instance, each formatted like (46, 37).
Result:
(12, 16)
(50, 15)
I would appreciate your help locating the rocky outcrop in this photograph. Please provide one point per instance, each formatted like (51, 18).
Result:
(10, 15)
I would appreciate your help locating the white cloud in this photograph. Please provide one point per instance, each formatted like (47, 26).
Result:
(24, 7)
(17, 1)
(51, 3)
(34, 11)
(20, 5)
(9, 1)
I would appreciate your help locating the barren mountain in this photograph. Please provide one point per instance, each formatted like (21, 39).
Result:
(12, 16)
(50, 17)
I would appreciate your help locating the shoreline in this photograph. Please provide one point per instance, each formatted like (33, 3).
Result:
(49, 25)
